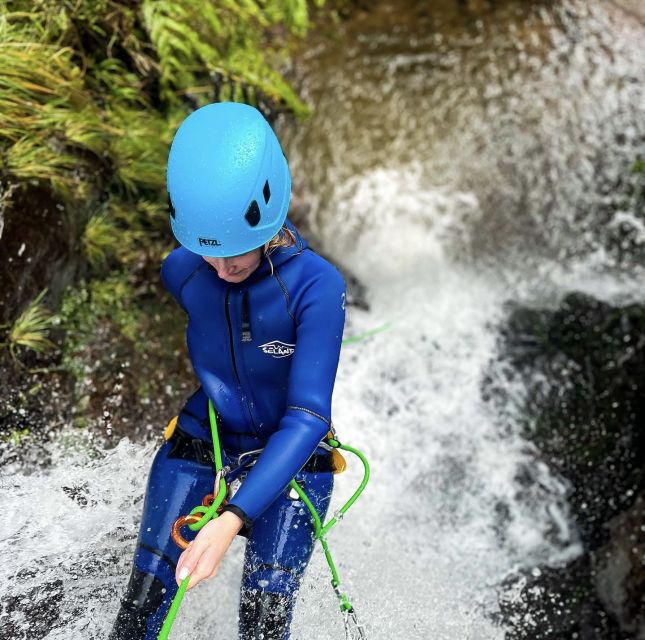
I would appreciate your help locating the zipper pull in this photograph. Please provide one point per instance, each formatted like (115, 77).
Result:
(246, 318)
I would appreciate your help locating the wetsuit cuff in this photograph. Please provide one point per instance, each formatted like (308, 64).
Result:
(247, 526)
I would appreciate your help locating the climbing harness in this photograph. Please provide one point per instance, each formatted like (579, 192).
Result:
(212, 504)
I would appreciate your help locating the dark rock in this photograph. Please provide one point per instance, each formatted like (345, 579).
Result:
(583, 369)
(620, 568)
(557, 603)
(37, 251)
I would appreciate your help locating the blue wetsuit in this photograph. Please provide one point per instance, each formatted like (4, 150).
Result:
(265, 351)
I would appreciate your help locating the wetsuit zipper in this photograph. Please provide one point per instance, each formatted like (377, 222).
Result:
(232, 345)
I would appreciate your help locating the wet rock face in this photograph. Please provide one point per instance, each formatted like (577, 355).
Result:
(557, 603)
(619, 568)
(36, 251)
(583, 368)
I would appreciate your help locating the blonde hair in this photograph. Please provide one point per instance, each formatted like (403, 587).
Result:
(284, 238)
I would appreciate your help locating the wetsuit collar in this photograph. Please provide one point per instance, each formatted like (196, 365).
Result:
(278, 256)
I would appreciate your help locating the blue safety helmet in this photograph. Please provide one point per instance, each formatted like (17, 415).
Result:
(229, 184)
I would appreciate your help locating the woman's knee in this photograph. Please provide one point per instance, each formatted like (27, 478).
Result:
(147, 598)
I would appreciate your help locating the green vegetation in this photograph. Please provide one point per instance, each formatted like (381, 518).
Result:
(15, 437)
(30, 328)
(92, 304)
(97, 84)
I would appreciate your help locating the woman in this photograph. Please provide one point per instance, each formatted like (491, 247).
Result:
(265, 323)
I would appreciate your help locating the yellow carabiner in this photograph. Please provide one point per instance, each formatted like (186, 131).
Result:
(170, 429)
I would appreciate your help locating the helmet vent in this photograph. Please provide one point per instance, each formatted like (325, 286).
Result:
(171, 207)
(253, 214)
(266, 192)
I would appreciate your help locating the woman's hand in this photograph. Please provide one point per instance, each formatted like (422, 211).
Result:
(203, 556)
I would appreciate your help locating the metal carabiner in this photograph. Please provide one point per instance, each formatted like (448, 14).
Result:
(354, 630)
(248, 453)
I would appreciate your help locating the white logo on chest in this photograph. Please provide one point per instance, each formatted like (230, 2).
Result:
(278, 349)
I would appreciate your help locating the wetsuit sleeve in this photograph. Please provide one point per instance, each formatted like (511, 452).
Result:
(320, 317)
(173, 274)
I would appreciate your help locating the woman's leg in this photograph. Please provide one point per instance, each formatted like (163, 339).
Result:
(276, 556)
(178, 481)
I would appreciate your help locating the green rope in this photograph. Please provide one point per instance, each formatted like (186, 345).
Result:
(174, 607)
(320, 530)
(209, 513)
(366, 334)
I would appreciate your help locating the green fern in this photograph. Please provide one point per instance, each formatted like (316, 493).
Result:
(195, 41)
(99, 240)
(30, 328)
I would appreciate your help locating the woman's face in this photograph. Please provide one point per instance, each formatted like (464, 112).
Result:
(236, 268)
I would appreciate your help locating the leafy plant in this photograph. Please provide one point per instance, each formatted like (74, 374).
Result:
(30, 328)
(197, 43)
(16, 436)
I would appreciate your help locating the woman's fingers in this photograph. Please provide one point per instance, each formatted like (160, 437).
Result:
(188, 560)
(199, 562)
(206, 567)
(183, 568)
(204, 554)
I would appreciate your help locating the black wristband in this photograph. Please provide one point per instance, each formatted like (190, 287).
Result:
(247, 526)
